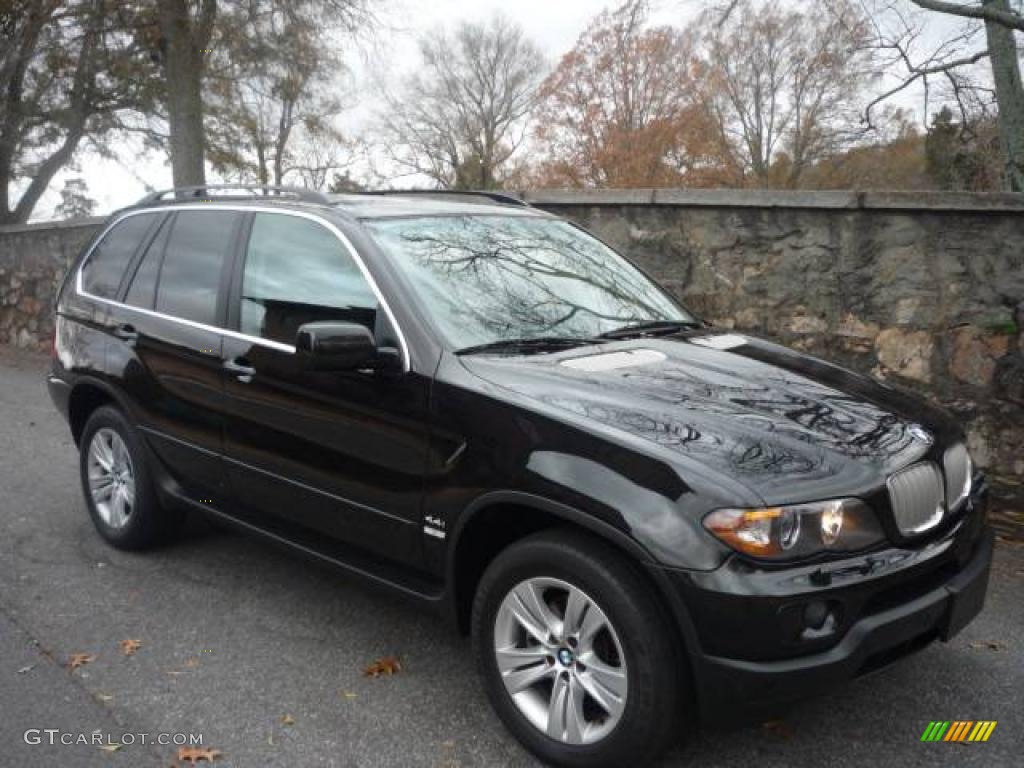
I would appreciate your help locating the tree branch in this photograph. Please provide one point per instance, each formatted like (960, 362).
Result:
(983, 12)
(918, 74)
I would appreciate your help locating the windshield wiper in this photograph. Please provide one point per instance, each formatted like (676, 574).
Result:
(536, 344)
(653, 327)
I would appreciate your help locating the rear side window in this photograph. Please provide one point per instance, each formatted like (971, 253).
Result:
(297, 272)
(105, 267)
(189, 277)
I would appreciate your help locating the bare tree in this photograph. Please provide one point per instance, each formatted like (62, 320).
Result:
(988, 33)
(989, 11)
(316, 159)
(186, 29)
(275, 88)
(946, 71)
(1000, 23)
(460, 119)
(68, 71)
(785, 86)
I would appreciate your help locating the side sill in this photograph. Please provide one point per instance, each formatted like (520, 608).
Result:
(334, 554)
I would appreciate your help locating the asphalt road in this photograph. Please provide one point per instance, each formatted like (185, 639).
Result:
(236, 636)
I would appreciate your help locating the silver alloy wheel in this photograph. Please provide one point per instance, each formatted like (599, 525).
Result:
(111, 477)
(561, 660)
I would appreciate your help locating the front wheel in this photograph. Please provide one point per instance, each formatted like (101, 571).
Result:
(574, 654)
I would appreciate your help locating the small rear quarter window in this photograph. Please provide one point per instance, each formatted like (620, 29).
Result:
(104, 269)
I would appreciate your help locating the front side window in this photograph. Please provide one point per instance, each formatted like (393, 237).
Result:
(189, 278)
(102, 273)
(296, 272)
(487, 279)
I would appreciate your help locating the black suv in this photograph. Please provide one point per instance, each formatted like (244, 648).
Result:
(636, 516)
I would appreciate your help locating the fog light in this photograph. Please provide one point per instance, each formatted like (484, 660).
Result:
(831, 523)
(815, 614)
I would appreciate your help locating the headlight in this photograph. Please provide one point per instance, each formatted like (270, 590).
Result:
(800, 530)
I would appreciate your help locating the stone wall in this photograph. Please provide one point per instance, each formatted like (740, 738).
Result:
(923, 290)
(33, 260)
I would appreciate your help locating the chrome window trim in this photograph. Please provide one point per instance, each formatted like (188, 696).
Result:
(406, 358)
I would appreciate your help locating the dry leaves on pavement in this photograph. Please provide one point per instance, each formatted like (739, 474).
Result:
(389, 665)
(193, 755)
(129, 647)
(992, 645)
(76, 660)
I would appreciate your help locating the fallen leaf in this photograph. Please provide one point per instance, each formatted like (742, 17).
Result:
(76, 660)
(779, 728)
(993, 645)
(193, 755)
(287, 720)
(129, 647)
(192, 662)
(110, 747)
(389, 665)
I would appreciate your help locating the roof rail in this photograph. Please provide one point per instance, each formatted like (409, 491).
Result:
(498, 197)
(246, 191)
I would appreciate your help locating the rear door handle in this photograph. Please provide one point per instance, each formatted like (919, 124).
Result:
(240, 368)
(127, 334)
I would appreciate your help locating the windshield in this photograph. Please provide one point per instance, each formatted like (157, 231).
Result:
(487, 279)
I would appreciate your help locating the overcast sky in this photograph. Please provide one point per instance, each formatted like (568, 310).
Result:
(553, 24)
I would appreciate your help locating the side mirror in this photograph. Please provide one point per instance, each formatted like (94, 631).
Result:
(330, 346)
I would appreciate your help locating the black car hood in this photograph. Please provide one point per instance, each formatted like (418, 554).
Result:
(787, 426)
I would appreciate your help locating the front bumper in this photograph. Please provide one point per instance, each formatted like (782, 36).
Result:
(881, 608)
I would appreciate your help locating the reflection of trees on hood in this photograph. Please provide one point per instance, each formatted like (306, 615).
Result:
(758, 427)
(535, 277)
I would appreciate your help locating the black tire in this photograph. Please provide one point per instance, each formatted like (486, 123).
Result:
(148, 524)
(652, 715)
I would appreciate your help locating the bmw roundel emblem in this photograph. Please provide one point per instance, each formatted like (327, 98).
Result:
(920, 433)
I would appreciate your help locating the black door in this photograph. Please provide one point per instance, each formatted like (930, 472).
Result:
(168, 344)
(337, 453)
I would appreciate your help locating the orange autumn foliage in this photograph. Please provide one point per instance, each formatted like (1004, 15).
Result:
(622, 109)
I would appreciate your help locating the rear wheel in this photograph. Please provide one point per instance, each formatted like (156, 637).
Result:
(117, 484)
(574, 654)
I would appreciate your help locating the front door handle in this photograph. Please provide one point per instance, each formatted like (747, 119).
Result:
(241, 369)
